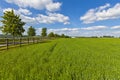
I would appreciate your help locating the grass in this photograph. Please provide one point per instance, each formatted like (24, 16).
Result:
(63, 59)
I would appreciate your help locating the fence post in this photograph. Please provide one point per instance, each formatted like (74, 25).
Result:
(20, 41)
(14, 40)
(28, 40)
(7, 43)
(41, 39)
(37, 40)
(33, 40)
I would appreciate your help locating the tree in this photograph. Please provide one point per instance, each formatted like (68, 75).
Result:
(62, 35)
(51, 34)
(44, 32)
(12, 24)
(56, 35)
(31, 31)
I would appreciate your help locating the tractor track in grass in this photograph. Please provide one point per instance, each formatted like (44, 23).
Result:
(53, 47)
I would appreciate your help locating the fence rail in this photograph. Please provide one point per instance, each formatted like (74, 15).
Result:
(6, 43)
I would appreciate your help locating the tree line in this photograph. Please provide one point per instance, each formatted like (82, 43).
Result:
(31, 32)
(13, 25)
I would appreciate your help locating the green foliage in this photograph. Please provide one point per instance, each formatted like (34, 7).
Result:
(31, 31)
(65, 36)
(56, 35)
(12, 24)
(51, 34)
(44, 32)
(63, 59)
(62, 35)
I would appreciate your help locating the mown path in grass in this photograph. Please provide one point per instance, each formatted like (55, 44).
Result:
(63, 59)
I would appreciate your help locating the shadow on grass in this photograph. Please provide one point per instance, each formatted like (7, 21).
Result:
(45, 41)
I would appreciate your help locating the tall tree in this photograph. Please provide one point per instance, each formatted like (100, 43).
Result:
(12, 24)
(31, 31)
(44, 32)
(51, 34)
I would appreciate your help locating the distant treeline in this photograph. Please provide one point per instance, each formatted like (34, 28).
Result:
(97, 37)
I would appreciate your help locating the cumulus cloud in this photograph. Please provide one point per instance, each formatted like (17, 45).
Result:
(53, 6)
(64, 29)
(7, 9)
(101, 13)
(28, 19)
(49, 5)
(24, 11)
(116, 27)
(49, 18)
(75, 31)
(52, 18)
(103, 7)
(20, 11)
(24, 14)
(116, 32)
(95, 28)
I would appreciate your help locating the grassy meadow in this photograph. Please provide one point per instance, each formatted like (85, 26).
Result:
(63, 59)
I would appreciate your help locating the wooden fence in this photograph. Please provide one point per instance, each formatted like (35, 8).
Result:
(6, 43)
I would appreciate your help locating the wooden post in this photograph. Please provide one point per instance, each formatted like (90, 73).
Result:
(7, 43)
(33, 40)
(20, 41)
(14, 40)
(41, 39)
(37, 40)
(28, 40)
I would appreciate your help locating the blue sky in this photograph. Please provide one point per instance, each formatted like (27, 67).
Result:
(73, 17)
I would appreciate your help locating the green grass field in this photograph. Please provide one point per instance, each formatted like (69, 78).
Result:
(63, 59)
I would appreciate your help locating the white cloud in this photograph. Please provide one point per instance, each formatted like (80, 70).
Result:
(24, 14)
(28, 19)
(116, 27)
(102, 13)
(53, 6)
(95, 28)
(64, 29)
(116, 32)
(78, 32)
(38, 31)
(49, 5)
(104, 7)
(7, 9)
(26, 29)
(20, 11)
(50, 18)
(24, 11)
